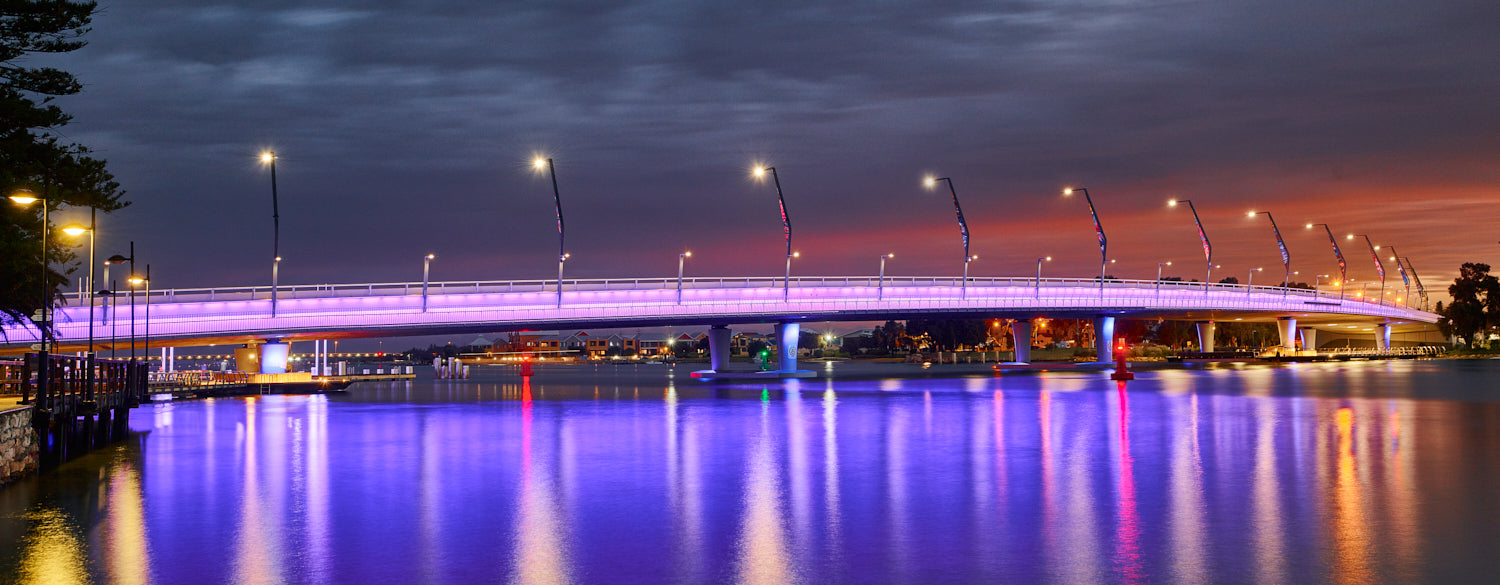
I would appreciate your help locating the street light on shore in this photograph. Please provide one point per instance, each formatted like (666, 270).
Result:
(25, 198)
(786, 224)
(1098, 229)
(681, 259)
(1208, 250)
(1039, 262)
(426, 269)
(880, 289)
(963, 228)
(76, 230)
(540, 163)
(116, 259)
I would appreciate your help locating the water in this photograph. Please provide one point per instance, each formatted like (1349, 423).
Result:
(1351, 473)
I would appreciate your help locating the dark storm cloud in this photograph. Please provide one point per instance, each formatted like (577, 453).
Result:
(405, 127)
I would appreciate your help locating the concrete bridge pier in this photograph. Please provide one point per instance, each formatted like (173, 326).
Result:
(1205, 336)
(1383, 337)
(1309, 338)
(1287, 327)
(718, 348)
(787, 335)
(1104, 338)
(273, 356)
(1020, 332)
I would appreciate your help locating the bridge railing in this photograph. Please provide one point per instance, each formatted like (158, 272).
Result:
(618, 284)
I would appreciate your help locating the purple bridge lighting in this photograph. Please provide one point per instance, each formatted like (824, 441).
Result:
(184, 317)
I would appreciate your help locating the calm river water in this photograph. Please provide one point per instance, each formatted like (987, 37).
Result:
(1346, 473)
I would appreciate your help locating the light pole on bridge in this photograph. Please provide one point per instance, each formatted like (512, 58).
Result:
(1039, 261)
(562, 255)
(1286, 258)
(681, 260)
(1379, 267)
(1208, 250)
(1338, 255)
(880, 288)
(1158, 275)
(1250, 281)
(426, 269)
(269, 158)
(963, 229)
(1098, 229)
(786, 225)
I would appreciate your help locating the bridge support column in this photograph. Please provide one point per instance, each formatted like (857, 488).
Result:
(1104, 338)
(273, 356)
(1020, 332)
(787, 335)
(1309, 338)
(1383, 336)
(1287, 327)
(718, 348)
(247, 359)
(1205, 336)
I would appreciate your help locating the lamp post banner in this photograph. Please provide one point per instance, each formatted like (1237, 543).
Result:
(1343, 266)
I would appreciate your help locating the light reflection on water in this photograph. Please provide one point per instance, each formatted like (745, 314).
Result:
(1224, 475)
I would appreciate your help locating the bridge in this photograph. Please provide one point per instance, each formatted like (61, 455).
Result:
(247, 315)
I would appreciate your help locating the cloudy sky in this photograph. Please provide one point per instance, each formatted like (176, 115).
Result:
(407, 127)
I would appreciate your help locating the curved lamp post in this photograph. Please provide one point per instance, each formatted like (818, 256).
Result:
(1158, 275)
(1250, 281)
(562, 256)
(1338, 255)
(1039, 261)
(269, 158)
(1379, 267)
(1286, 258)
(880, 289)
(24, 198)
(963, 230)
(1208, 250)
(786, 224)
(681, 259)
(426, 269)
(1098, 229)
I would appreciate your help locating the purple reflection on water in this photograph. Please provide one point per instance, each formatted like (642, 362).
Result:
(1234, 475)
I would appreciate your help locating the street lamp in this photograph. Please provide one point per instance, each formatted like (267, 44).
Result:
(1402, 271)
(1318, 280)
(76, 230)
(880, 289)
(269, 158)
(116, 259)
(426, 269)
(1250, 281)
(1158, 275)
(1286, 258)
(25, 198)
(681, 259)
(1343, 266)
(1379, 267)
(539, 163)
(1099, 229)
(1039, 262)
(786, 224)
(1208, 250)
(137, 280)
(963, 229)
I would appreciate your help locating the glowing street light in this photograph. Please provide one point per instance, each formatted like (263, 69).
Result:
(1158, 275)
(540, 163)
(681, 259)
(426, 269)
(269, 158)
(76, 230)
(1338, 255)
(116, 259)
(1317, 280)
(1208, 250)
(963, 228)
(1250, 281)
(880, 289)
(1039, 262)
(786, 224)
(1375, 255)
(1098, 229)
(1286, 258)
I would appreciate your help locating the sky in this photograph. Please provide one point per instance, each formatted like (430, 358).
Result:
(407, 128)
